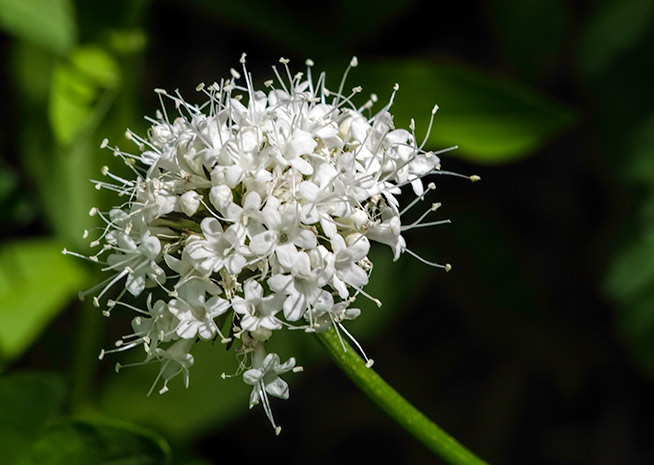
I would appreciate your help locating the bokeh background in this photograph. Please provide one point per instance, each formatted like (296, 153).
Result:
(538, 347)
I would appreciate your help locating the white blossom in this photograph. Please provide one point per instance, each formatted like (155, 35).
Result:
(254, 212)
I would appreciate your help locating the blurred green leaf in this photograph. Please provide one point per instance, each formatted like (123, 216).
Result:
(489, 119)
(376, 13)
(76, 86)
(276, 21)
(633, 273)
(15, 205)
(48, 23)
(27, 401)
(612, 28)
(84, 85)
(531, 31)
(98, 443)
(641, 168)
(31, 67)
(209, 403)
(128, 41)
(631, 282)
(630, 278)
(36, 281)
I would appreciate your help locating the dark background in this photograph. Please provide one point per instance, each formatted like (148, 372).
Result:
(538, 346)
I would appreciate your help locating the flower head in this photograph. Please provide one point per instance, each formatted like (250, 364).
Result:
(252, 213)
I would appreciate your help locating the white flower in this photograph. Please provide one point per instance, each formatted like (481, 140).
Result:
(254, 212)
(174, 360)
(137, 260)
(219, 249)
(304, 285)
(346, 271)
(256, 311)
(195, 314)
(264, 379)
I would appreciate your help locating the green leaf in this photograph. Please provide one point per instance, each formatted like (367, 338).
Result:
(376, 14)
(98, 443)
(76, 87)
(641, 168)
(210, 402)
(633, 272)
(630, 281)
(48, 23)
(530, 31)
(27, 401)
(36, 281)
(128, 41)
(488, 118)
(273, 21)
(15, 203)
(31, 69)
(612, 29)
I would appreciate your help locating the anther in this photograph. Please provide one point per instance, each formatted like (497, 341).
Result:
(474, 178)
(101, 356)
(242, 60)
(309, 62)
(235, 74)
(104, 143)
(448, 267)
(354, 62)
(199, 87)
(284, 61)
(370, 363)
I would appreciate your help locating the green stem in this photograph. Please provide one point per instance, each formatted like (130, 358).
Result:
(85, 350)
(388, 399)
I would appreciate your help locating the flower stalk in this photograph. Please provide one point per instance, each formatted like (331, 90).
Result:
(396, 406)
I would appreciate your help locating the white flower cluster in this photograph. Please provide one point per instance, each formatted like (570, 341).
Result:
(252, 213)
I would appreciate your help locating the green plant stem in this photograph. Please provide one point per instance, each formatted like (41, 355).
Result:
(85, 349)
(388, 399)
